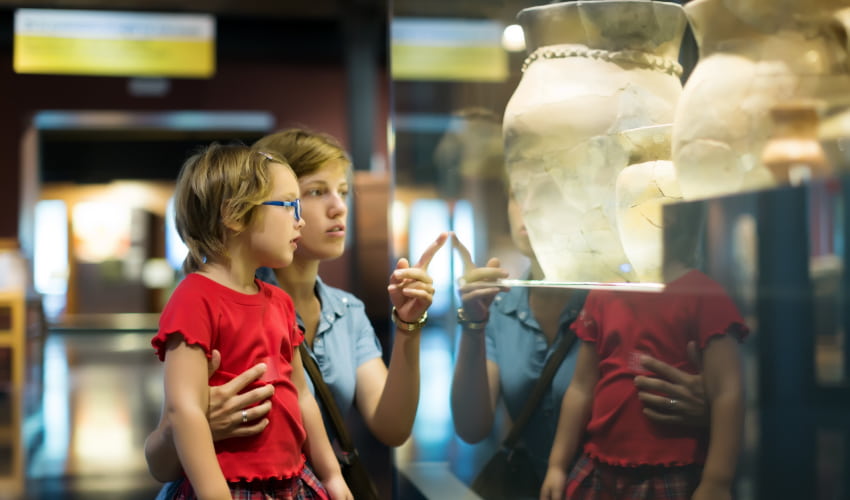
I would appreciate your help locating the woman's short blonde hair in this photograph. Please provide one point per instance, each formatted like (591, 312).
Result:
(217, 190)
(304, 149)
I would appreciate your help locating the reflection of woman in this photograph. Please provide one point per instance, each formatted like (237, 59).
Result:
(508, 337)
(337, 330)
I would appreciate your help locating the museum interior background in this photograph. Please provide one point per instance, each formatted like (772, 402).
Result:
(416, 91)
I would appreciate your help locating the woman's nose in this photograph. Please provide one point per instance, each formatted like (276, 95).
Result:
(338, 204)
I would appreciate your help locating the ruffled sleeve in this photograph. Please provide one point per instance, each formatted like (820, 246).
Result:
(718, 316)
(188, 313)
(586, 326)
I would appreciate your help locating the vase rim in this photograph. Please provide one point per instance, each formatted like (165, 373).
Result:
(585, 3)
(613, 25)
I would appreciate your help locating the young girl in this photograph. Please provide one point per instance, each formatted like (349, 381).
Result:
(626, 455)
(238, 209)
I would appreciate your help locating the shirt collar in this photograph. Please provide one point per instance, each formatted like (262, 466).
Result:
(330, 301)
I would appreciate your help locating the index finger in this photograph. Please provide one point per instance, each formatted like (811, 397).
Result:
(242, 380)
(429, 252)
(663, 370)
(465, 256)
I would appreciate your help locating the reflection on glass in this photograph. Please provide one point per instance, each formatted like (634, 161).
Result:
(826, 224)
(175, 249)
(50, 255)
(427, 218)
(831, 464)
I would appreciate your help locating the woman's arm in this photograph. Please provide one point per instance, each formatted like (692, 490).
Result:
(224, 415)
(723, 382)
(475, 383)
(186, 400)
(673, 396)
(387, 398)
(475, 389)
(575, 412)
(317, 447)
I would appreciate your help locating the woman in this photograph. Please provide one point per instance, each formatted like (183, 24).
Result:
(506, 340)
(337, 330)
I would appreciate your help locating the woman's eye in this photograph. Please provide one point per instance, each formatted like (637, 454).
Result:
(343, 194)
(314, 192)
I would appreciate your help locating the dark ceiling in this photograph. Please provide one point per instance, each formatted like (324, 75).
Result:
(281, 9)
(296, 31)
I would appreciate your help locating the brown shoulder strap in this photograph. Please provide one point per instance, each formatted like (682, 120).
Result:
(539, 388)
(324, 394)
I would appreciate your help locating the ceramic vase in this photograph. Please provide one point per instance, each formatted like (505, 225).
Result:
(594, 69)
(642, 188)
(754, 54)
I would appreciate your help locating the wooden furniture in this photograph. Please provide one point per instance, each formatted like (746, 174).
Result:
(12, 385)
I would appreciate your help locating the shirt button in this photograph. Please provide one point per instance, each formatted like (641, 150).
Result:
(329, 317)
(522, 315)
(345, 300)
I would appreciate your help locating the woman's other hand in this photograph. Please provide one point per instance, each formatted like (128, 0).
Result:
(475, 294)
(673, 396)
(411, 289)
(226, 407)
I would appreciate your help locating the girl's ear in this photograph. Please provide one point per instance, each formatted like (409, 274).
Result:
(230, 222)
(233, 225)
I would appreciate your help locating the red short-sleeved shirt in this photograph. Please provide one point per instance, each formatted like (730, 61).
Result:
(246, 329)
(624, 325)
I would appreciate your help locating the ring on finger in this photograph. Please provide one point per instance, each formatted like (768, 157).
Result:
(244, 416)
(672, 403)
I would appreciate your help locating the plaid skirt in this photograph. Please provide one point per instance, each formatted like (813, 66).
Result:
(305, 486)
(591, 480)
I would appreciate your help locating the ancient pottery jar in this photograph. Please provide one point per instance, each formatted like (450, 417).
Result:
(594, 69)
(754, 54)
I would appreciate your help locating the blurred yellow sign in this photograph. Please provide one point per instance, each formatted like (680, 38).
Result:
(447, 49)
(78, 42)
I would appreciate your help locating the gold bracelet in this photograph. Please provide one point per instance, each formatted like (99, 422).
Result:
(408, 326)
(468, 324)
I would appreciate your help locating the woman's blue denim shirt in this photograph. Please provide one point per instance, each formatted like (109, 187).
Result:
(344, 340)
(516, 343)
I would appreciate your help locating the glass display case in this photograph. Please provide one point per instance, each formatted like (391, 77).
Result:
(581, 158)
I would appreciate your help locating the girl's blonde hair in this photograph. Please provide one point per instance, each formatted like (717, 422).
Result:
(304, 149)
(217, 190)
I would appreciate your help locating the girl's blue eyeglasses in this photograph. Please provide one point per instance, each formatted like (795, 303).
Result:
(295, 204)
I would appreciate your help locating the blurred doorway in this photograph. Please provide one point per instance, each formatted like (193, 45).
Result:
(97, 186)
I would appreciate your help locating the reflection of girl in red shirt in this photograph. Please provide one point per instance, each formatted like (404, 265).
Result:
(626, 455)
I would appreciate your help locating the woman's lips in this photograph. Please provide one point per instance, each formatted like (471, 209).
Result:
(337, 231)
